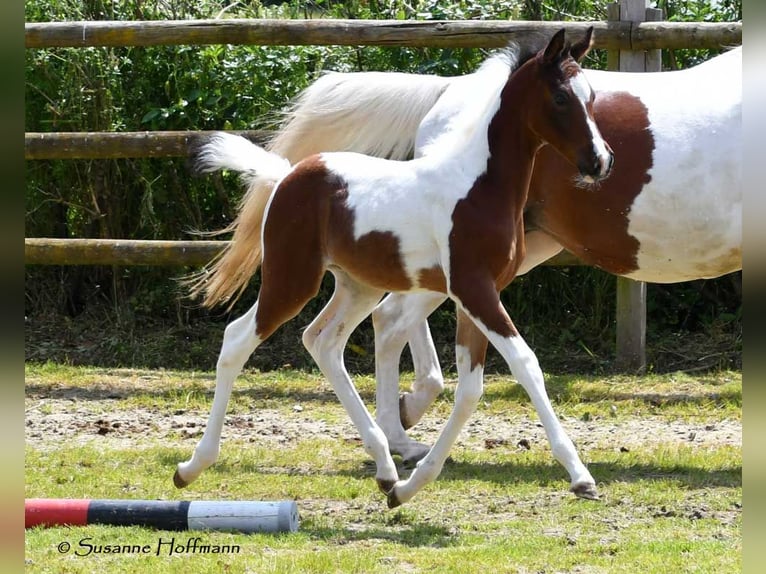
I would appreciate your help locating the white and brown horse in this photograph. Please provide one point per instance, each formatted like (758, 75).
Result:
(449, 221)
(671, 211)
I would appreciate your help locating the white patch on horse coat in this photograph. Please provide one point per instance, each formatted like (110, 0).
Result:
(379, 199)
(583, 90)
(470, 94)
(688, 218)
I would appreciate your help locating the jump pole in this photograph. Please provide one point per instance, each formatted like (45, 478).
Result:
(239, 515)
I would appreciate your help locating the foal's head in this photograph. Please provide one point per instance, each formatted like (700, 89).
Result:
(560, 109)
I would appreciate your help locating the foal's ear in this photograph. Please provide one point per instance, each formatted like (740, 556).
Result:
(582, 47)
(555, 48)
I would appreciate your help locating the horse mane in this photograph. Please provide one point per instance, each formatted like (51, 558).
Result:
(515, 54)
(476, 114)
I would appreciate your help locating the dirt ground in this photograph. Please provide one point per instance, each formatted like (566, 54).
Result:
(60, 415)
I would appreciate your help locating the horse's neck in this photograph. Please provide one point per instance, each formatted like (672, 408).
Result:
(511, 148)
(487, 151)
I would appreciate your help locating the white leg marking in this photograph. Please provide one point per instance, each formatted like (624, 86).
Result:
(429, 382)
(467, 396)
(394, 318)
(325, 339)
(239, 342)
(525, 367)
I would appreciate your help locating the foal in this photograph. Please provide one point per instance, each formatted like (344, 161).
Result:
(449, 222)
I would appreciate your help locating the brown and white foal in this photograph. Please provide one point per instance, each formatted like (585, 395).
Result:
(449, 221)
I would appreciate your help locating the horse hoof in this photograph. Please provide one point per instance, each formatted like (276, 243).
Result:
(393, 500)
(178, 481)
(406, 423)
(385, 486)
(586, 490)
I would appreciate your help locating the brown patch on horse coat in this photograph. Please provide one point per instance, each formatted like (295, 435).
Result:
(432, 279)
(592, 223)
(470, 337)
(298, 246)
(486, 242)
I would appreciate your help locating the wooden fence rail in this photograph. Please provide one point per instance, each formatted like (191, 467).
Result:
(615, 35)
(49, 251)
(118, 145)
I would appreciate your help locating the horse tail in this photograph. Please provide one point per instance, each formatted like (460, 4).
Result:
(225, 278)
(374, 113)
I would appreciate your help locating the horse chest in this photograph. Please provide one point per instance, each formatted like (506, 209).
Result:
(484, 239)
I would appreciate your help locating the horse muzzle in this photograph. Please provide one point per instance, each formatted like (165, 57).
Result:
(597, 166)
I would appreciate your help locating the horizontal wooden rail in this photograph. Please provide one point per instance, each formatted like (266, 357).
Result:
(416, 33)
(111, 145)
(44, 251)
(128, 252)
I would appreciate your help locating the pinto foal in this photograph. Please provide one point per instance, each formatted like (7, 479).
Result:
(449, 221)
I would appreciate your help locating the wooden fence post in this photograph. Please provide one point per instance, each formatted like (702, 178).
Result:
(631, 295)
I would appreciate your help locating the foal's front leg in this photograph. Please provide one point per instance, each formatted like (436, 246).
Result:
(525, 367)
(470, 351)
(400, 316)
(487, 310)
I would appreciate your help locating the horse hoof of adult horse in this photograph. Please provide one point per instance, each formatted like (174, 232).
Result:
(586, 490)
(414, 455)
(179, 482)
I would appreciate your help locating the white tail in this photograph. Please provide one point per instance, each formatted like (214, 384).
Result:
(374, 113)
(225, 278)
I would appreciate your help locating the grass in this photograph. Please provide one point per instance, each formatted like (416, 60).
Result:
(668, 504)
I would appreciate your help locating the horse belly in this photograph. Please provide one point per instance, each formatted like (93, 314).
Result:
(688, 218)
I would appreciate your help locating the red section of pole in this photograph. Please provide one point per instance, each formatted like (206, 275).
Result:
(55, 512)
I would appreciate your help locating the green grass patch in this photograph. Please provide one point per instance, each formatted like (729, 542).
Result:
(667, 505)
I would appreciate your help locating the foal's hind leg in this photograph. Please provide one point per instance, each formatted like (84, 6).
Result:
(278, 301)
(325, 339)
(239, 342)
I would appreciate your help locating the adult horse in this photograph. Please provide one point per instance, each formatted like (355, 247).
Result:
(671, 211)
(449, 221)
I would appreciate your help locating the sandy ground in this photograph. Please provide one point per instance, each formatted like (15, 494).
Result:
(58, 416)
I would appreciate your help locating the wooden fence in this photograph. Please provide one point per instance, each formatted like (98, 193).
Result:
(612, 35)
(630, 30)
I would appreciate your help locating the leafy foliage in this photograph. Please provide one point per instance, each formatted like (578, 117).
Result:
(567, 311)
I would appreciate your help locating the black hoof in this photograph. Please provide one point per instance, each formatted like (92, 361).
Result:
(385, 486)
(392, 499)
(406, 423)
(178, 481)
(587, 491)
(411, 462)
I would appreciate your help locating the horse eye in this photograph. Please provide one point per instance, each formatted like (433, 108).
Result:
(560, 98)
